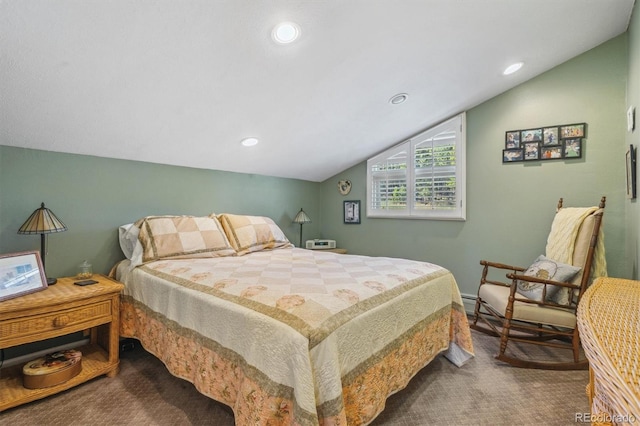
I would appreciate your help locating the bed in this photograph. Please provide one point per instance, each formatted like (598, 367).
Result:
(283, 335)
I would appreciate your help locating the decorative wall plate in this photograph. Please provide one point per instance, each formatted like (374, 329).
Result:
(344, 186)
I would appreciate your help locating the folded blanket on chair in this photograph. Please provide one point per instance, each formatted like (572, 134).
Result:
(562, 238)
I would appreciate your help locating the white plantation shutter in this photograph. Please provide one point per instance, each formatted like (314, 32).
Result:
(422, 177)
(389, 181)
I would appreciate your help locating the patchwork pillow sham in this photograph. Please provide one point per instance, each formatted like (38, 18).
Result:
(249, 234)
(546, 269)
(175, 237)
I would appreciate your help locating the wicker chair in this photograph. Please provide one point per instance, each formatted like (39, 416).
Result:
(533, 307)
(609, 323)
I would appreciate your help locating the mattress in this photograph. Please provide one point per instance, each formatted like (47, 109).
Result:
(294, 336)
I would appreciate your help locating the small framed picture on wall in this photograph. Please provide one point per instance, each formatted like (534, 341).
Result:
(550, 136)
(352, 211)
(551, 152)
(512, 139)
(631, 172)
(512, 155)
(532, 135)
(572, 131)
(572, 148)
(531, 151)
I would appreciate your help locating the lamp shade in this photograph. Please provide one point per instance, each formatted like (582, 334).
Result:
(42, 221)
(301, 217)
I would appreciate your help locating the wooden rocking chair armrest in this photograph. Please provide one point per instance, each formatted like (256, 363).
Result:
(502, 266)
(546, 303)
(516, 277)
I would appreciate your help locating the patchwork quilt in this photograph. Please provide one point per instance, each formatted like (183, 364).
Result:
(292, 336)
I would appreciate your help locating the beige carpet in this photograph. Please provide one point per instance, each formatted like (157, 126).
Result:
(483, 392)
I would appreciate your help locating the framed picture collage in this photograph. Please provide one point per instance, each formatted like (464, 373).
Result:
(544, 143)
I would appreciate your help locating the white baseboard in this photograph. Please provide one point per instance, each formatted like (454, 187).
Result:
(34, 355)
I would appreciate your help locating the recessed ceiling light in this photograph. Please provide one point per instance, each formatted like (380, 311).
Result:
(249, 141)
(398, 99)
(513, 68)
(285, 32)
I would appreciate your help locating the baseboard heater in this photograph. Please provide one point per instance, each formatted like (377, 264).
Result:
(469, 302)
(21, 359)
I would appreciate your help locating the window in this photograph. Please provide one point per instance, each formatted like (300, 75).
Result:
(421, 178)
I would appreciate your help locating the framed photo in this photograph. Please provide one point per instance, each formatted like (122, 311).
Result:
(551, 152)
(21, 273)
(550, 136)
(352, 212)
(512, 155)
(631, 172)
(531, 151)
(572, 131)
(512, 139)
(532, 135)
(572, 148)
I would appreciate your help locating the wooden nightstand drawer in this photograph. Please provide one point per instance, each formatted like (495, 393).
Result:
(79, 318)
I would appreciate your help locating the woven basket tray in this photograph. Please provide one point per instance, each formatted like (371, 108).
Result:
(52, 369)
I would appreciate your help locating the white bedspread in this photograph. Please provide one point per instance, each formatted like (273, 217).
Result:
(302, 323)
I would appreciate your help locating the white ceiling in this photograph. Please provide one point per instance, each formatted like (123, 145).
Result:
(182, 82)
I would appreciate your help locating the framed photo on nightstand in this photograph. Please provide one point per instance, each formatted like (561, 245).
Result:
(21, 273)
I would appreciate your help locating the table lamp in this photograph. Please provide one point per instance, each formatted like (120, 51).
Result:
(42, 221)
(301, 218)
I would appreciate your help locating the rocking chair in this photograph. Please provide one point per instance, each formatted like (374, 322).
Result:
(538, 304)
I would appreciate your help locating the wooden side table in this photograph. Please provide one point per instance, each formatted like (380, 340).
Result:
(62, 309)
(335, 250)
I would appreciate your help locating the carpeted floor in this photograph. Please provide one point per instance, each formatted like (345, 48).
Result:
(483, 392)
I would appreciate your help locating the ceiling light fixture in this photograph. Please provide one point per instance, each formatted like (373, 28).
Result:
(513, 68)
(398, 99)
(249, 142)
(286, 32)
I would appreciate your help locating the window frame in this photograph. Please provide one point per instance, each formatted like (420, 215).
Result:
(456, 124)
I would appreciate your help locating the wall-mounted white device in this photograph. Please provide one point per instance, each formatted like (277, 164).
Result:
(320, 244)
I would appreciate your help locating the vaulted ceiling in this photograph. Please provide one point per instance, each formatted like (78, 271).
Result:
(183, 82)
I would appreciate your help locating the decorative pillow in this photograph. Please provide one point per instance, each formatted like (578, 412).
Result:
(253, 233)
(546, 269)
(175, 237)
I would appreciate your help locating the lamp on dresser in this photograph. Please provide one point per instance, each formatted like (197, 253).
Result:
(301, 218)
(42, 221)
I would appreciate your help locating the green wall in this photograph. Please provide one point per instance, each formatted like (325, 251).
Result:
(93, 196)
(633, 98)
(510, 206)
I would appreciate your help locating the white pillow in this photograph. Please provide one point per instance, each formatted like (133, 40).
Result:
(128, 237)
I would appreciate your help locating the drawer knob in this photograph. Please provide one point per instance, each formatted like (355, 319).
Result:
(61, 321)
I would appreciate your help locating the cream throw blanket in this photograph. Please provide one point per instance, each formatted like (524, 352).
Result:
(561, 243)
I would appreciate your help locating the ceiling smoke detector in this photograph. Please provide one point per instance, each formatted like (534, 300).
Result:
(398, 99)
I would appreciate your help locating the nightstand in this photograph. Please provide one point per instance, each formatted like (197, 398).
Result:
(335, 250)
(61, 309)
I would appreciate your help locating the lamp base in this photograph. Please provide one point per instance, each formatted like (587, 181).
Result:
(51, 281)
